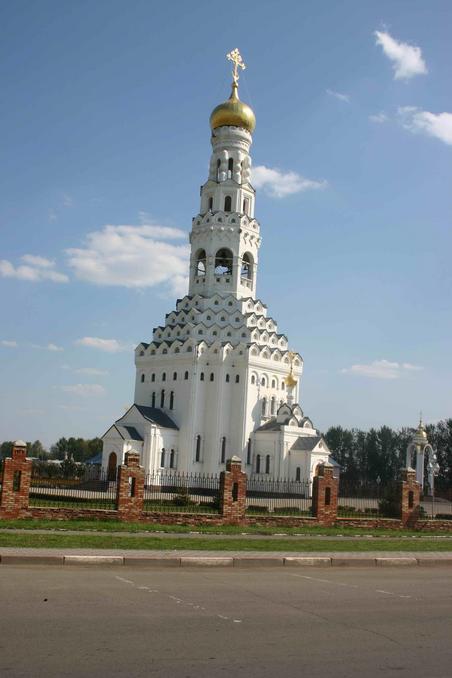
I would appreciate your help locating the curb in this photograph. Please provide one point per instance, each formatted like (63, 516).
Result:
(221, 561)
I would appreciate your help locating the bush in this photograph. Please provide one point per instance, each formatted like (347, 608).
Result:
(389, 504)
(182, 498)
(443, 516)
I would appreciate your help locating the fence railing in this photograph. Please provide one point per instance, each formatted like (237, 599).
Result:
(92, 490)
(182, 492)
(437, 508)
(361, 500)
(280, 497)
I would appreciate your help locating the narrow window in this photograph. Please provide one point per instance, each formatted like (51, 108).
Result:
(245, 205)
(227, 203)
(142, 378)
(162, 458)
(298, 474)
(253, 379)
(210, 204)
(186, 376)
(212, 376)
(223, 449)
(175, 376)
(237, 379)
(258, 463)
(327, 496)
(132, 487)
(164, 376)
(273, 405)
(162, 399)
(153, 400)
(235, 491)
(201, 376)
(17, 477)
(218, 169)
(153, 377)
(410, 499)
(267, 464)
(227, 378)
(264, 407)
(230, 167)
(171, 401)
(248, 452)
(171, 459)
(198, 448)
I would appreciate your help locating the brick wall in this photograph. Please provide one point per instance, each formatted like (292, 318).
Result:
(409, 498)
(324, 495)
(130, 488)
(233, 492)
(16, 478)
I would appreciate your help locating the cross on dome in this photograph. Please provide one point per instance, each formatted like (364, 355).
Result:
(238, 62)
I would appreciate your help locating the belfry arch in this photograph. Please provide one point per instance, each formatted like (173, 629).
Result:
(223, 262)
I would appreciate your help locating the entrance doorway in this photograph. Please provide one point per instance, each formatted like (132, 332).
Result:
(112, 465)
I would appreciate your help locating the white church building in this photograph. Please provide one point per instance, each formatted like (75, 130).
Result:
(217, 378)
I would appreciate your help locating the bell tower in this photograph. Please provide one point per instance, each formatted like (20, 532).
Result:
(225, 235)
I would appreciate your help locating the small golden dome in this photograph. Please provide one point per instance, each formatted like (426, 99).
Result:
(233, 112)
(421, 432)
(290, 380)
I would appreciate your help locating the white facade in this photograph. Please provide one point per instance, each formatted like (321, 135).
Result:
(211, 383)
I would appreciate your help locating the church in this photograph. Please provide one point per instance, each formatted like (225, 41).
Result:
(218, 379)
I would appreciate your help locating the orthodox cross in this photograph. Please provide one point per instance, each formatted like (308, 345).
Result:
(237, 60)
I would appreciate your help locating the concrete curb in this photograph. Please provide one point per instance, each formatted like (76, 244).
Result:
(79, 560)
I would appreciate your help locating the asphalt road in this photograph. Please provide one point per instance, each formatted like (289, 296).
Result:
(187, 623)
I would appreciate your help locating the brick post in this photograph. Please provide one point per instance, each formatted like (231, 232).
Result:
(410, 497)
(130, 488)
(233, 492)
(324, 495)
(16, 483)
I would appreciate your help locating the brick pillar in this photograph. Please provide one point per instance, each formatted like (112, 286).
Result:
(324, 495)
(16, 483)
(130, 488)
(410, 497)
(233, 491)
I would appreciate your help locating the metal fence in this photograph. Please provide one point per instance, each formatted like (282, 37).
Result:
(362, 500)
(279, 497)
(92, 490)
(438, 508)
(182, 492)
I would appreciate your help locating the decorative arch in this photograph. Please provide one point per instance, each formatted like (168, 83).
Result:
(247, 269)
(200, 262)
(223, 262)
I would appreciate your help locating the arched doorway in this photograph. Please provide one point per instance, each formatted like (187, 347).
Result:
(112, 465)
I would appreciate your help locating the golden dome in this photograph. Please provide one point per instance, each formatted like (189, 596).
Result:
(290, 380)
(233, 112)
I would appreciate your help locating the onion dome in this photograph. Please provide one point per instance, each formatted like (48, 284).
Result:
(420, 436)
(233, 113)
(290, 380)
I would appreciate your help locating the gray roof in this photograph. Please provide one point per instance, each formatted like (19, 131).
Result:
(306, 443)
(128, 432)
(272, 425)
(156, 416)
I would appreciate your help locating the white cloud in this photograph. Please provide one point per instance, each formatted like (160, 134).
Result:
(381, 369)
(339, 95)
(34, 269)
(279, 184)
(67, 200)
(378, 117)
(407, 59)
(435, 125)
(52, 216)
(8, 344)
(48, 347)
(84, 390)
(92, 371)
(133, 256)
(107, 345)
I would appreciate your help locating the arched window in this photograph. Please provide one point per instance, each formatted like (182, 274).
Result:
(223, 262)
(248, 452)
(246, 204)
(162, 458)
(153, 377)
(223, 449)
(247, 266)
(258, 463)
(230, 167)
(227, 378)
(142, 378)
(298, 474)
(212, 376)
(201, 376)
(264, 407)
(198, 448)
(153, 400)
(253, 379)
(210, 204)
(267, 464)
(227, 203)
(172, 459)
(237, 379)
(171, 400)
(162, 398)
(201, 263)
(174, 376)
(112, 464)
(186, 375)
(218, 169)
(164, 376)
(273, 383)
(273, 405)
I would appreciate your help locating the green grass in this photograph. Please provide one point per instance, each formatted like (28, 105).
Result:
(90, 524)
(100, 541)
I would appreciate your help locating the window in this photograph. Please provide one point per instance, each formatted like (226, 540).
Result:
(17, 478)
(223, 262)
(186, 375)
(153, 377)
(212, 376)
(172, 459)
(171, 400)
(210, 204)
(198, 448)
(230, 167)
(273, 383)
(247, 266)
(162, 398)
(327, 496)
(218, 169)
(142, 378)
(227, 203)
(237, 379)
(245, 205)
(223, 450)
(298, 474)
(227, 378)
(164, 376)
(162, 458)
(273, 405)
(174, 376)
(258, 463)
(264, 407)
(201, 376)
(201, 263)
(248, 452)
(253, 379)
(267, 464)
(153, 400)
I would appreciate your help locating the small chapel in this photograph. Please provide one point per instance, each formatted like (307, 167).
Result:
(218, 378)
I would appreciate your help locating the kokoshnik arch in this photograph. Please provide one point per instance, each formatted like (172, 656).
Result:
(218, 379)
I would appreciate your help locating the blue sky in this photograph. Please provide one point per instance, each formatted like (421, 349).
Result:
(105, 124)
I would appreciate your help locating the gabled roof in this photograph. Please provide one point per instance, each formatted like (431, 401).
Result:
(306, 443)
(156, 416)
(128, 432)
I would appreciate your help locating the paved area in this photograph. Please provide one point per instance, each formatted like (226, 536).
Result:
(189, 623)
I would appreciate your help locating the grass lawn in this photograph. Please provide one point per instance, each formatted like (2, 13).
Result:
(104, 541)
(116, 526)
